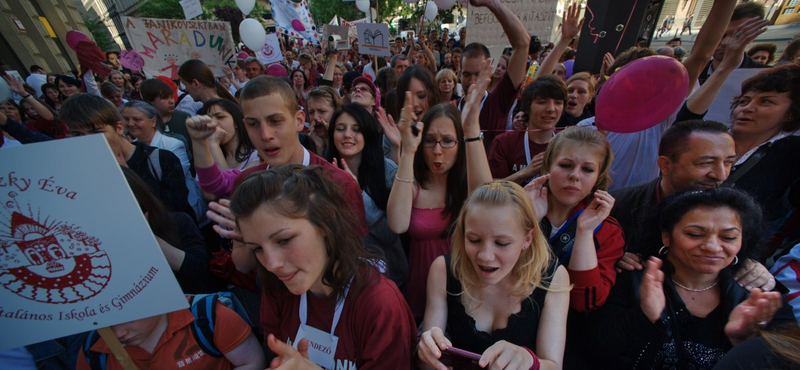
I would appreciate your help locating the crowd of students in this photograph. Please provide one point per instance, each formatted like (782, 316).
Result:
(374, 213)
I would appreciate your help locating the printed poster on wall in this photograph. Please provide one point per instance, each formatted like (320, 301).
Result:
(538, 17)
(165, 44)
(374, 38)
(76, 253)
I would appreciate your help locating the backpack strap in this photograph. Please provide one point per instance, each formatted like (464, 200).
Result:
(96, 360)
(205, 316)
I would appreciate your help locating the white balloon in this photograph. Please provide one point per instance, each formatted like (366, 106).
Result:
(246, 6)
(363, 5)
(445, 4)
(430, 11)
(373, 14)
(5, 91)
(253, 34)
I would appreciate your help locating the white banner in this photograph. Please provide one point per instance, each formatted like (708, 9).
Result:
(271, 52)
(538, 17)
(373, 38)
(76, 253)
(165, 44)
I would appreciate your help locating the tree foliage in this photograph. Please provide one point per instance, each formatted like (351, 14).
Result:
(170, 9)
(324, 10)
(100, 34)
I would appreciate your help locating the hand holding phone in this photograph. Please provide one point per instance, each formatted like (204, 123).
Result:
(460, 359)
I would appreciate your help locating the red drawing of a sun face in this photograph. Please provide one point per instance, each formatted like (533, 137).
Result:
(56, 263)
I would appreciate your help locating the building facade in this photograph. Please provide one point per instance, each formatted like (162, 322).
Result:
(34, 32)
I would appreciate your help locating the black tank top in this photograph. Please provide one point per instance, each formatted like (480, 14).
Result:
(521, 329)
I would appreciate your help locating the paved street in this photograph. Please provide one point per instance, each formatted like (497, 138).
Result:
(778, 35)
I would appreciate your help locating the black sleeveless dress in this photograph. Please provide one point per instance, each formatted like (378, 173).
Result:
(521, 329)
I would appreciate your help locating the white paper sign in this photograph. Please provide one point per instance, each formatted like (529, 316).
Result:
(271, 52)
(165, 44)
(191, 8)
(720, 109)
(76, 253)
(373, 38)
(537, 16)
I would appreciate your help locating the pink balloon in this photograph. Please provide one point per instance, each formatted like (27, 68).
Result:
(298, 26)
(641, 94)
(74, 37)
(242, 55)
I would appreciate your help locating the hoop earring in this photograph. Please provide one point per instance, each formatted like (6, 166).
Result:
(735, 260)
(663, 250)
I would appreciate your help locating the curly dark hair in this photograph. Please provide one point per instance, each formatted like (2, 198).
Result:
(676, 206)
(785, 78)
(295, 191)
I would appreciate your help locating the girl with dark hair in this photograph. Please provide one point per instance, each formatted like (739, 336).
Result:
(50, 96)
(431, 186)
(300, 87)
(176, 234)
(688, 311)
(356, 139)
(231, 146)
(200, 84)
(67, 86)
(318, 280)
(421, 83)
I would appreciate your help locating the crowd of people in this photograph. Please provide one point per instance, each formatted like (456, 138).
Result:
(378, 213)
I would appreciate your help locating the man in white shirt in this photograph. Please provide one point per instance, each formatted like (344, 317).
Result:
(37, 78)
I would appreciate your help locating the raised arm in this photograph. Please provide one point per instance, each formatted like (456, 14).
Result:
(428, 53)
(517, 37)
(433, 341)
(15, 84)
(401, 198)
(701, 100)
(569, 30)
(478, 171)
(708, 38)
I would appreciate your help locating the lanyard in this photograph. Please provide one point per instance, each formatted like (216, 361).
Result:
(336, 315)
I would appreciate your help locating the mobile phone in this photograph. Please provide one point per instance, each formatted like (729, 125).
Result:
(460, 359)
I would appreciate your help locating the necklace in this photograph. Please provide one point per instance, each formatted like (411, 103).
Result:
(695, 290)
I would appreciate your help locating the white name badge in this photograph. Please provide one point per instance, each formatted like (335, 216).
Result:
(321, 345)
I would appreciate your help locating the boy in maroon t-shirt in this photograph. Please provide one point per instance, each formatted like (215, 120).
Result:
(516, 155)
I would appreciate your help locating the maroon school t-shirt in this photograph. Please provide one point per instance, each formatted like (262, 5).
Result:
(494, 111)
(349, 186)
(376, 329)
(507, 155)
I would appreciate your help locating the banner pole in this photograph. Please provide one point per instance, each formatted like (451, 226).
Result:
(117, 349)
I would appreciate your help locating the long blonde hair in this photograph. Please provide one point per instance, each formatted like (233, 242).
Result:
(528, 273)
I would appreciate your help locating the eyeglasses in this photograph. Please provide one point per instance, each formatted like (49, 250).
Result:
(444, 143)
(360, 89)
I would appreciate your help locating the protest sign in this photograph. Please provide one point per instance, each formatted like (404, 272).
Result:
(538, 17)
(720, 109)
(373, 38)
(76, 253)
(271, 52)
(294, 20)
(191, 8)
(165, 44)
(130, 59)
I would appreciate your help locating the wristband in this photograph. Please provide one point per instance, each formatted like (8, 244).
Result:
(404, 180)
(471, 139)
(27, 96)
(536, 364)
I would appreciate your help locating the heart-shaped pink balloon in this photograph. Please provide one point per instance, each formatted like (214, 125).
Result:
(298, 26)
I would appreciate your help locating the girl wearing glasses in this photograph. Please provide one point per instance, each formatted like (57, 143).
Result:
(429, 189)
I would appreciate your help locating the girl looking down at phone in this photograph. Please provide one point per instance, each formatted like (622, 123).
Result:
(501, 293)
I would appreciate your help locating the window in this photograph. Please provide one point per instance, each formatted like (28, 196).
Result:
(793, 2)
(787, 11)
